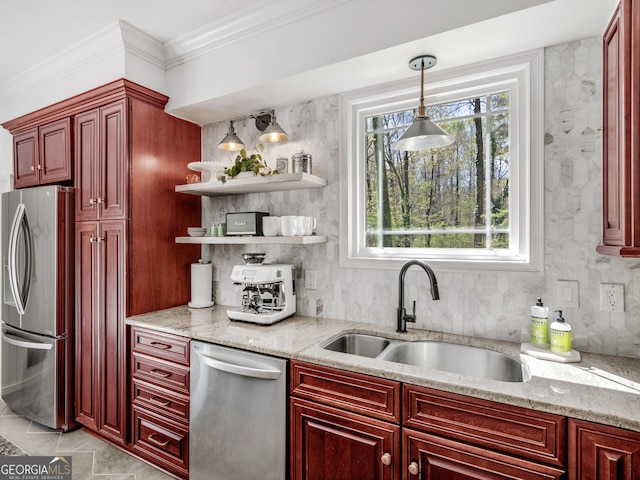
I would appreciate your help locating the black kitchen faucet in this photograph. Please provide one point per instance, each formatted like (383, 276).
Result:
(402, 316)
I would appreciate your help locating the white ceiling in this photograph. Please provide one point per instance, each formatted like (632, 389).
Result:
(370, 41)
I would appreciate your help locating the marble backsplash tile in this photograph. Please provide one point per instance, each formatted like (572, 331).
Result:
(488, 305)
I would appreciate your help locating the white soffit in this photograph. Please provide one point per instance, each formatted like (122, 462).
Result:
(273, 54)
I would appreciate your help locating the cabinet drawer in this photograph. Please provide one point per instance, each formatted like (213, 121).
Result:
(443, 458)
(514, 430)
(161, 345)
(163, 442)
(164, 374)
(355, 392)
(160, 400)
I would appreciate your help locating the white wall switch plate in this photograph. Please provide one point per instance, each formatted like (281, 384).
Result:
(567, 294)
(611, 297)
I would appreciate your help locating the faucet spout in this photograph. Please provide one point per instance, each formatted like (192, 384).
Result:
(402, 316)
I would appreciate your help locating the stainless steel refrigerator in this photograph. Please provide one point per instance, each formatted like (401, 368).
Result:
(38, 304)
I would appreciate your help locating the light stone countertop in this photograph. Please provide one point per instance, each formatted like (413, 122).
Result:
(600, 388)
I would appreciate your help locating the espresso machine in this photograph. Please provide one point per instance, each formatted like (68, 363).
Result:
(268, 293)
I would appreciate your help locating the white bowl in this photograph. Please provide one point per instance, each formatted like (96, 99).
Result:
(196, 231)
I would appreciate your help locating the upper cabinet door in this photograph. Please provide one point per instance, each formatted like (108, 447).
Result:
(621, 133)
(25, 149)
(43, 155)
(87, 129)
(113, 165)
(54, 143)
(101, 163)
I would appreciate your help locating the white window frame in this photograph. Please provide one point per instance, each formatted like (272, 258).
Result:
(522, 75)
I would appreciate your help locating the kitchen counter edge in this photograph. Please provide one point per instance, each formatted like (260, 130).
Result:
(601, 388)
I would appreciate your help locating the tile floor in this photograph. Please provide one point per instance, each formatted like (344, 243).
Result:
(92, 459)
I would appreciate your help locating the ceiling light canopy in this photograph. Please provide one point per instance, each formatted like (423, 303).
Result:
(423, 132)
(265, 122)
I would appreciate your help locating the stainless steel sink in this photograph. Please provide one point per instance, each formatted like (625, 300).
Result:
(431, 355)
(358, 344)
(463, 359)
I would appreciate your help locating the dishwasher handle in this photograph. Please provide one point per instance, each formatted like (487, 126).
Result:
(247, 371)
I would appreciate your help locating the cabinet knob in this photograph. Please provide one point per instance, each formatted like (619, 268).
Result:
(413, 468)
(99, 200)
(386, 459)
(33, 168)
(40, 167)
(92, 201)
(93, 239)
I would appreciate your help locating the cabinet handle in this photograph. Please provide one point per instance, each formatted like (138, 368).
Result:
(161, 346)
(161, 373)
(413, 468)
(386, 459)
(93, 239)
(157, 442)
(162, 402)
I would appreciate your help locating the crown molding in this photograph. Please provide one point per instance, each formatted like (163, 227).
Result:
(248, 23)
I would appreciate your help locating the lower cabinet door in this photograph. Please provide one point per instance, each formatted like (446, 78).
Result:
(602, 452)
(429, 457)
(328, 443)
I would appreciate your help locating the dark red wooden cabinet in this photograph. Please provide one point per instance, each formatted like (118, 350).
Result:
(344, 426)
(350, 426)
(42, 154)
(450, 436)
(129, 156)
(160, 399)
(602, 452)
(621, 133)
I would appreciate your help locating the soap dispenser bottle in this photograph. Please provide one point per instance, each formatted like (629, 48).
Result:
(540, 325)
(560, 335)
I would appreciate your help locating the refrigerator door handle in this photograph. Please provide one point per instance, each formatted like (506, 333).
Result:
(257, 371)
(20, 292)
(10, 339)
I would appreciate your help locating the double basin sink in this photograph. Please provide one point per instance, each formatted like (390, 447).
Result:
(433, 355)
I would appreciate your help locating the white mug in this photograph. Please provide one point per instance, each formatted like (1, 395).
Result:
(308, 225)
(291, 225)
(270, 226)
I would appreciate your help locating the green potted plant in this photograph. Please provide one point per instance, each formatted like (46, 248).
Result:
(253, 163)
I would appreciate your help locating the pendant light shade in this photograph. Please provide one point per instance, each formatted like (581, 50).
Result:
(423, 132)
(273, 133)
(231, 142)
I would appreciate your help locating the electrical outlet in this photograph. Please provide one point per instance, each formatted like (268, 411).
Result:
(310, 280)
(611, 297)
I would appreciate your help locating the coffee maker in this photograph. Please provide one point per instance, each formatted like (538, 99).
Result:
(268, 293)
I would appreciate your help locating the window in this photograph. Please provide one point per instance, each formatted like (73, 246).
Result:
(475, 204)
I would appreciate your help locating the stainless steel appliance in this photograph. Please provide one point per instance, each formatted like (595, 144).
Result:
(268, 293)
(238, 415)
(37, 304)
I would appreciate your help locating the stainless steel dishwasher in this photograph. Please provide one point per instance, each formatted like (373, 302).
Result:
(238, 415)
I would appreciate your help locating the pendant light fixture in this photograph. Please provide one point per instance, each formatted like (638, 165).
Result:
(423, 132)
(273, 133)
(231, 142)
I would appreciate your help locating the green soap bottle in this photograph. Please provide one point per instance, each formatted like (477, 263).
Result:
(560, 333)
(540, 325)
